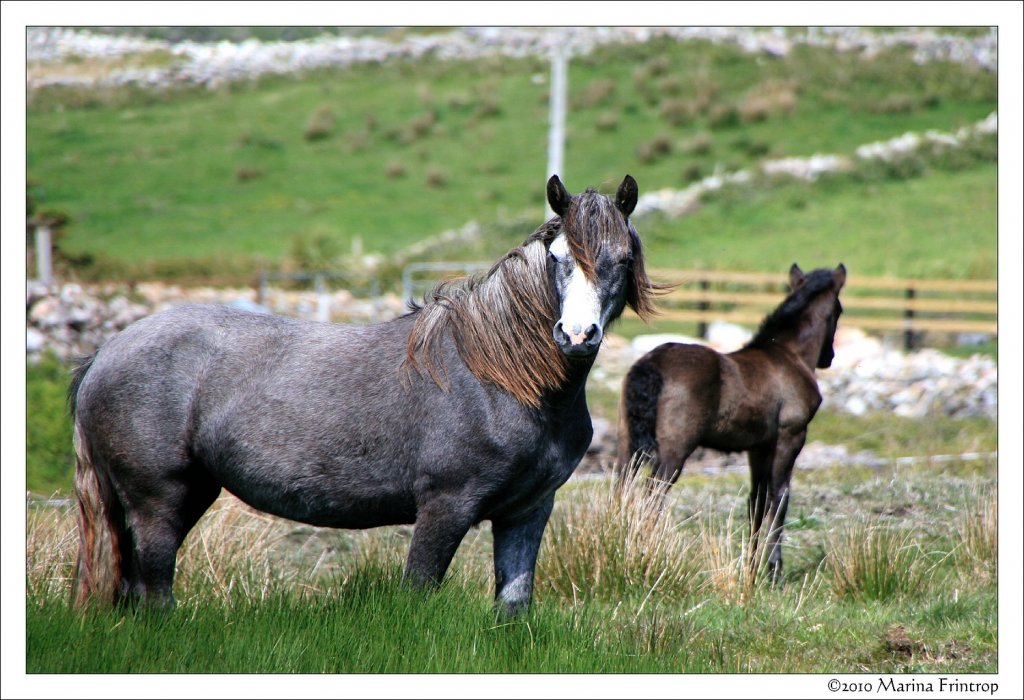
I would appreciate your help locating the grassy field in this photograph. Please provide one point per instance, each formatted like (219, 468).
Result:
(888, 571)
(199, 181)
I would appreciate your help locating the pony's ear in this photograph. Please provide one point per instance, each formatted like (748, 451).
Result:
(839, 275)
(796, 276)
(625, 198)
(558, 196)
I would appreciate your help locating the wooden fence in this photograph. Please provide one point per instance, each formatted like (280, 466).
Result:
(908, 306)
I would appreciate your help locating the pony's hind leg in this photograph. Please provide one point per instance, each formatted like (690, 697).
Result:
(159, 518)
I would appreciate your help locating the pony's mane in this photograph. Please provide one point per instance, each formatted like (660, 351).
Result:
(501, 322)
(787, 315)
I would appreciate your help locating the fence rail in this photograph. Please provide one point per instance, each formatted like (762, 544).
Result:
(912, 306)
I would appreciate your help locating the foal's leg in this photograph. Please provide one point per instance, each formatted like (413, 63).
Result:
(671, 460)
(162, 510)
(516, 543)
(787, 448)
(760, 459)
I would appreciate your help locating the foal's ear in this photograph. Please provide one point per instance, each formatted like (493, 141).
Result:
(796, 276)
(558, 196)
(839, 275)
(625, 198)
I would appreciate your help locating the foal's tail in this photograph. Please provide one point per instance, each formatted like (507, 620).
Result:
(101, 523)
(638, 416)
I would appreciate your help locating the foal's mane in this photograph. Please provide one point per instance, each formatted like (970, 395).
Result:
(786, 317)
(501, 320)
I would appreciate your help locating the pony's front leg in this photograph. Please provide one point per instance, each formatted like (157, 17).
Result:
(441, 525)
(516, 543)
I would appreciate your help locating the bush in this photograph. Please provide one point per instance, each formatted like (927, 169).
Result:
(245, 173)
(767, 99)
(436, 178)
(700, 145)
(597, 93)
(608, 121)
(723, 116)
(420, 126)
(395, 169)
(895, 104)
(692, 173)
(677, 112)
(658, 147)
(320, 125)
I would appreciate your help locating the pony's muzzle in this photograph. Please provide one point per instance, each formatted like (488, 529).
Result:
(578, 341)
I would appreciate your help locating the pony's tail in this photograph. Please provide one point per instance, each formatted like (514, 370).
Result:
(638, 416)
(101, 523)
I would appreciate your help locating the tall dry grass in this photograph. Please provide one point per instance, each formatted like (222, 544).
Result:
(51, 545)
(977, 532)
(866, 561)
(604, 543)
(607, 542)
(234, 553)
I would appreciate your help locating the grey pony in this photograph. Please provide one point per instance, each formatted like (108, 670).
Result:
(471, 407)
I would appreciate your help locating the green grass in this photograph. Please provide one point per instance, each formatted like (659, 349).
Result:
(370, 624)
(939, 226)
(49, 454)
(213, 180)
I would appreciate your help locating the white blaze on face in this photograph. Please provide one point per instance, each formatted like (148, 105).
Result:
(581, 308)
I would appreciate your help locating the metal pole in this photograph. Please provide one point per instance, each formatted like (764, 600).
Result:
(556, 130)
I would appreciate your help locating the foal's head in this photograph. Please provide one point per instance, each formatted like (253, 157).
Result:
(822, 289)
(595, 264)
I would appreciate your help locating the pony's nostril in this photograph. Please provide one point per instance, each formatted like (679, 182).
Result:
(578, 335)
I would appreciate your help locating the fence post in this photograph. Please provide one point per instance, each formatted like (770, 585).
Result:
(261, 288)
(375, 292)
(322, 301)
(44, 257)
(908, 315)
(703, 305)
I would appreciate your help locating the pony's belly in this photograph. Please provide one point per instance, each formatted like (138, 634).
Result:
(325, 505)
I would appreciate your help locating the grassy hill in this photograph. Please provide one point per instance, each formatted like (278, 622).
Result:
(205, 182)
